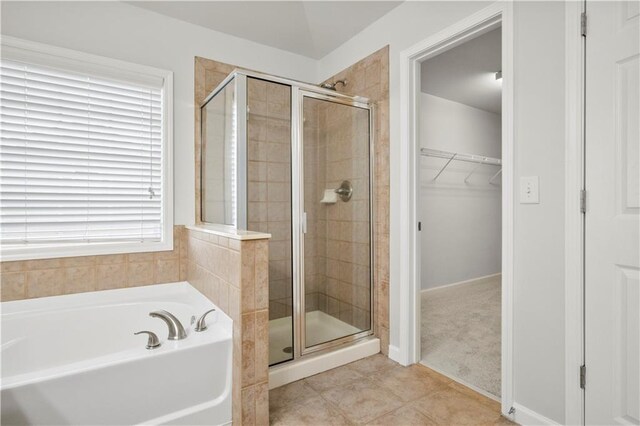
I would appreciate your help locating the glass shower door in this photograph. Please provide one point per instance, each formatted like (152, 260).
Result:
(269, 201)
(337, 203)
(219, 157)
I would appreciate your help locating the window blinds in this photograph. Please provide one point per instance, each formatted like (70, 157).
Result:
(80, 158)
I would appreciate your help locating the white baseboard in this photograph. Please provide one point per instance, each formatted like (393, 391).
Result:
(465, 282)
(394, 353)
(526, 417)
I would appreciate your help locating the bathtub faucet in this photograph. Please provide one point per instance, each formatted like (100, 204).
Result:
(176, 330)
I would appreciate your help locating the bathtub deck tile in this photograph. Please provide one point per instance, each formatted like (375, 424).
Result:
(13, 285)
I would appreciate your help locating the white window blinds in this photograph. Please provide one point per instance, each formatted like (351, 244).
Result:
(80, 158)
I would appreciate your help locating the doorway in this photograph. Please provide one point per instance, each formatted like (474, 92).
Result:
(459, 203)
(494, 17)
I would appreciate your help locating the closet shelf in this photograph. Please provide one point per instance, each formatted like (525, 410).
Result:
(459, 156)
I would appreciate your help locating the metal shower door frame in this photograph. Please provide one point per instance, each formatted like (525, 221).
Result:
(299, 217)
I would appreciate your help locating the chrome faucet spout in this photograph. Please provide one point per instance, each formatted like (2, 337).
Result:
(176, 330)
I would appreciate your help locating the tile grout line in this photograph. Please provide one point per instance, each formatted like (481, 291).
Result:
(448, 385)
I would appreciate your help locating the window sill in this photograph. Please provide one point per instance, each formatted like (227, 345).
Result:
(50, 251)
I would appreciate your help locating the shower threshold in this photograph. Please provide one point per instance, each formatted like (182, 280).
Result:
(321, 327)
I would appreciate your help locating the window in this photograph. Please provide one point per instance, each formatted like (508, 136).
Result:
(84, 155)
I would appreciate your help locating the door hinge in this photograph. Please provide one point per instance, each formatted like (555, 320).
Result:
(583, 24)
(583, 376)
(583, 201)
(419, 226)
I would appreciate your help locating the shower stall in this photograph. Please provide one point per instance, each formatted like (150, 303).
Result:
(296, 161)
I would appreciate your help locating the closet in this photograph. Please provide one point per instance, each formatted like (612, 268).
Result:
(460, 212)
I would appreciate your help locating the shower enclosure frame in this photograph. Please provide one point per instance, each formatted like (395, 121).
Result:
(299, 91)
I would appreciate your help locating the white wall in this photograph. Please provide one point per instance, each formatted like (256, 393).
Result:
(461, 222)
(539, 232)
(539, 228)
(121, 31)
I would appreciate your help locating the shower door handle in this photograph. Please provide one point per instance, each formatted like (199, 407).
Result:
(304, 222)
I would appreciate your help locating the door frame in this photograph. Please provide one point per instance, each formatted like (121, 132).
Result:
(497, 14)
(574, 219)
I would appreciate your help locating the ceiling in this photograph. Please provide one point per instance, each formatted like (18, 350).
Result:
(466, 73)
(308, 28)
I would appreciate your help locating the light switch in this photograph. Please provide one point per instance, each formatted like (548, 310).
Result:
(529, 190)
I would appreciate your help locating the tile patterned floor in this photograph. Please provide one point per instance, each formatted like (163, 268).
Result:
(378, 391)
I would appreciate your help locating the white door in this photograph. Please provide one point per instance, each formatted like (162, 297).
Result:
(612, 234)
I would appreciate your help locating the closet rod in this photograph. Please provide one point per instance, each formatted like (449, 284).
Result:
(458, 156)
(495, 176)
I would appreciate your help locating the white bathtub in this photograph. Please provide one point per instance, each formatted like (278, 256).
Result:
(74, 360)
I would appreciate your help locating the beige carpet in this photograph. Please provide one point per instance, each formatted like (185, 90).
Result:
(461, 332)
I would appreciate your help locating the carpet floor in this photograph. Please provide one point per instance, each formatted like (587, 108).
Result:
(461, 332)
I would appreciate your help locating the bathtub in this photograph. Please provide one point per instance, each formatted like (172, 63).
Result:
(74, 360)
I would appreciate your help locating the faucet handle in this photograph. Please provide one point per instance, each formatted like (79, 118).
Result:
(176, 330)
(153, 341)
(201, 325)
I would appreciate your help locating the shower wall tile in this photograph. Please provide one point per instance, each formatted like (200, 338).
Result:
(68, 275)
(233, 274)
(370, 78)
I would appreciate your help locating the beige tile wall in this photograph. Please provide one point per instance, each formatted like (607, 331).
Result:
(234, 275)
(370, 78)
(57, 276)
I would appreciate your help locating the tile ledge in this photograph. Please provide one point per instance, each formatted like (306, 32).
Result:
(229, 232)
